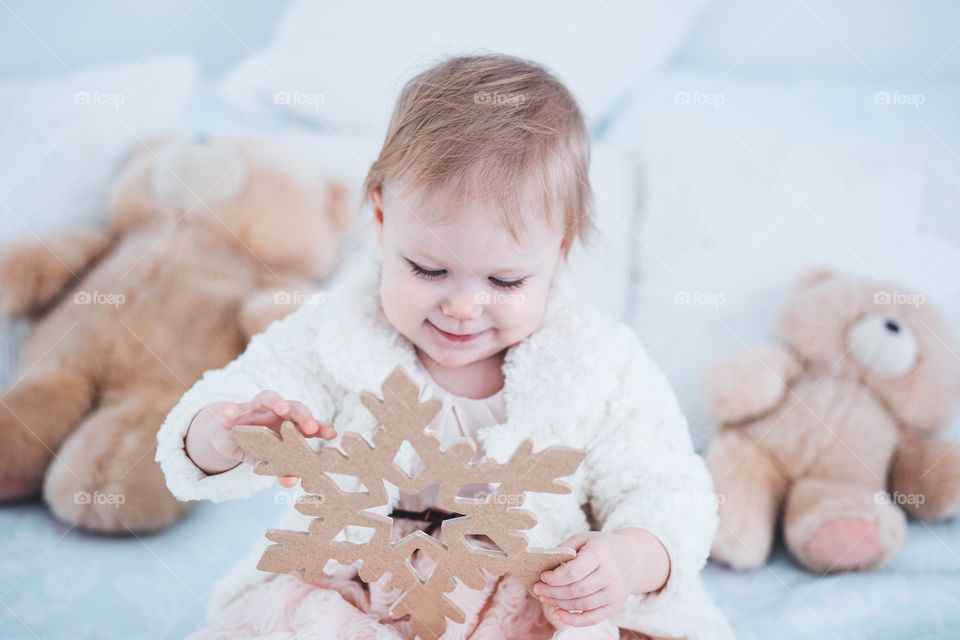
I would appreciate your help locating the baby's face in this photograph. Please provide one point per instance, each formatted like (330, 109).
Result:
(465, 290)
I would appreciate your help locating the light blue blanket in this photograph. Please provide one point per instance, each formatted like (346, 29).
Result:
(61, 583)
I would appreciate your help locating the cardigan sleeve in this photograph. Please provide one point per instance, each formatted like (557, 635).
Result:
(282, 359)
(643, 471)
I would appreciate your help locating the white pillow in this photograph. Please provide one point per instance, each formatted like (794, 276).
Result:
(604, 269)
(732, 215)
(63, 139)
(343, 64)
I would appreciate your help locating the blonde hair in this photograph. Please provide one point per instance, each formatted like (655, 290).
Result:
(491, 128)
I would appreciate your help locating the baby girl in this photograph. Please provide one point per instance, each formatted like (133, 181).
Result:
(478, 194)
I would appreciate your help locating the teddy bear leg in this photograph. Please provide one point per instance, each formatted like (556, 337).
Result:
(749, 490)
(925, 478)
(106, 479)
(833, 525)
(36, 414)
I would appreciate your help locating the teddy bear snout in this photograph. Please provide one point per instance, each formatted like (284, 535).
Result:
(883, 344)
(199, 177)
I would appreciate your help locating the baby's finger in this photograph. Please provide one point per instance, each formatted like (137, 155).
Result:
(258, 413)
(269, 401)
(288, 481)
(577, 540)
(591, 584)
(224, 443)
(584, 618)
(258, 418)
(266, 398)
(327, 432)
(230, 409)
(223, 416)
(301, 417)
(585, 603)
(308, 425)
(573, 570)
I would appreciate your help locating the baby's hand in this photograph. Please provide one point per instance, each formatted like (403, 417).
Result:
(212, 445)
(609, 567)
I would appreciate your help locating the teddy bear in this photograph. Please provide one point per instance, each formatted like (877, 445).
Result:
(206, 242)
(838, 427)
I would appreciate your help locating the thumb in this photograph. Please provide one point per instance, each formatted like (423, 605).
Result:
(577, 540)
(225, 444)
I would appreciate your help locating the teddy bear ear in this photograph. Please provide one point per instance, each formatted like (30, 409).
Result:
(815, 276)
(338, 201)
(149, 146)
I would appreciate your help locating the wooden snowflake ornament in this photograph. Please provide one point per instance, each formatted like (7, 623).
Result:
(496, 515)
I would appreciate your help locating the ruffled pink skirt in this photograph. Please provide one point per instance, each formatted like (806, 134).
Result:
(284, 606)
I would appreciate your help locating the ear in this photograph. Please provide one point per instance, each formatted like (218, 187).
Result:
(815, 276)
(376, 201)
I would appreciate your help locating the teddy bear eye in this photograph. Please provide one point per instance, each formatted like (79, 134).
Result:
(883, 344)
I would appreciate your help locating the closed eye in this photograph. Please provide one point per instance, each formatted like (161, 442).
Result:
(436, 274)
(507, 284)
(425, 273)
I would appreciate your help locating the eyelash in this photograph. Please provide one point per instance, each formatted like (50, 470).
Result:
(425, 273)
(508, 285)
(436, 275)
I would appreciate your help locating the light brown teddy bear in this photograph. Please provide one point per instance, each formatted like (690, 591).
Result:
(836, 428)
(202, 235)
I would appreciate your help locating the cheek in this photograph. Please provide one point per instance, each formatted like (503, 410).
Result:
(391, 298)
(404, 300)
(519, 319)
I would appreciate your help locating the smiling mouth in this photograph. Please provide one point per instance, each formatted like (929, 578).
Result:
(456, 337)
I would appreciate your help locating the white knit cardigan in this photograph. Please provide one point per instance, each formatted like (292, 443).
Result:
(582, 379)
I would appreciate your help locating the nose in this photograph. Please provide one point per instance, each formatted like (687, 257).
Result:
(463, 305)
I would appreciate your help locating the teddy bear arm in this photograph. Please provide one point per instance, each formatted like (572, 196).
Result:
(749, 383)
(34, 272)
(925, 477)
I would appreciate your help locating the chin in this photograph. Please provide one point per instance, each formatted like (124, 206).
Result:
(455, 357)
